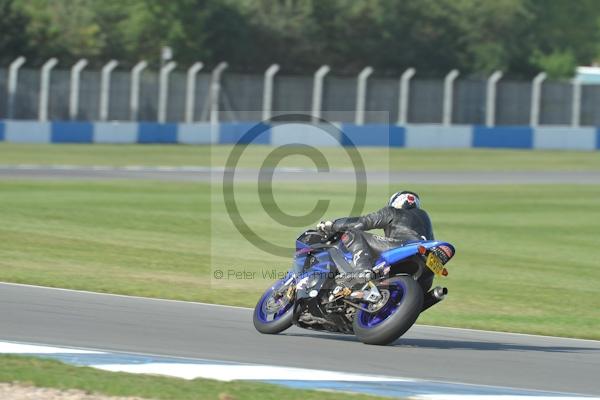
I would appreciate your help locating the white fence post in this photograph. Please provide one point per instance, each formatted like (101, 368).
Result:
(361, 95)
(317, 97)
(190, 91)
(105, 88)
(490, 98)
(74, 89)
(576, 106)
(215, 89)
(45, 88)
(536, 91)
(403, 95)
(134, 94)
(163, 90)
(449, 96)
(268, 91)
(13, 78)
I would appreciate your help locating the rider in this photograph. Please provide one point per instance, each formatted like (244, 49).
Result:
(402, 220)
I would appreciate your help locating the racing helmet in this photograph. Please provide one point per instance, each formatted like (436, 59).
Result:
(405, 199)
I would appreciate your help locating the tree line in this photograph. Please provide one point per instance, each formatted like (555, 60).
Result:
(520, 37)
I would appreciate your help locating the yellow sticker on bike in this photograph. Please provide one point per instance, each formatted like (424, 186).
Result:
(434, 264)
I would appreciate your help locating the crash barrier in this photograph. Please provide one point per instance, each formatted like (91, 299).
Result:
(410, 136)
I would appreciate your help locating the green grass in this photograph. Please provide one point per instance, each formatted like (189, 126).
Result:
(53, 374)
(527, 261)
(374, 158)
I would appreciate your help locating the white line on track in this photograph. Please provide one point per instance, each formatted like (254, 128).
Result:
(123, 295)
(249, 309)
(96, 350)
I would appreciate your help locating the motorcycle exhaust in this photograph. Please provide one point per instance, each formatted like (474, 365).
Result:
(433, 297)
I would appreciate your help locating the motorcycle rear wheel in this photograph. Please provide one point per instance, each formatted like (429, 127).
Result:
(400, 311)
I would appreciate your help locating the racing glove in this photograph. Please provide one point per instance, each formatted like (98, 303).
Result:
(325, 227)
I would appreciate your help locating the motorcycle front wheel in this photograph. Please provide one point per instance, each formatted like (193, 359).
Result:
(273, 312)
(396, 312)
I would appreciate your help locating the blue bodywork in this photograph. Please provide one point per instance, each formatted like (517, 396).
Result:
(322, 267)
(390, 257)
(408, 250)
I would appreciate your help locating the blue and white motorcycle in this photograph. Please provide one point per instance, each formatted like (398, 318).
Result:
(378, 312)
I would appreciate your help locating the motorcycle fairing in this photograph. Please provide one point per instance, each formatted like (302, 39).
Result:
(391, 256)
(408, 250)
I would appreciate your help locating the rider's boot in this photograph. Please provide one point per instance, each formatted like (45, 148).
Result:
(362, 273)
(362, 260)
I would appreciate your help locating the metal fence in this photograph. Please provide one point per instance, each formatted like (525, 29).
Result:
(171, 95)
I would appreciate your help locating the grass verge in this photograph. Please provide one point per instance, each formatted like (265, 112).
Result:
(374, 158)
(54, 374)
(525, 262)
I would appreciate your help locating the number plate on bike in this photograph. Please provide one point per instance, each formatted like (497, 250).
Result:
(434, 264)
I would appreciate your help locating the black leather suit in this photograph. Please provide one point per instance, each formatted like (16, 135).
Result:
(399, 225)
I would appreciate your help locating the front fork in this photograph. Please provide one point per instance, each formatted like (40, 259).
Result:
(288, 289)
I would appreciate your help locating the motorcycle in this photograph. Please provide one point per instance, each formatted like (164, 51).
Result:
(378, 312)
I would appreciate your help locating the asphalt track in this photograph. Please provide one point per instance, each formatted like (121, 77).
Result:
(207, 174)
(182, 329)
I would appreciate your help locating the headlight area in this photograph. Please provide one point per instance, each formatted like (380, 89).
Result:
(308, 281)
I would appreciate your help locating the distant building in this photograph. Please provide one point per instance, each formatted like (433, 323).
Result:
(588, 75)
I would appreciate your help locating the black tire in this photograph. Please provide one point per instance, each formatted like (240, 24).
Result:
(272, 327)
(396, 324)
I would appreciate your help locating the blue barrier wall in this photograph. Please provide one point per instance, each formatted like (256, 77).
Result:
(373, 135)
(512, 137)
(244, 133)
(152, 132)
(72, 132)
(27, 132)
(563, 137)
(319, 135)
(196, 133)
(115, 132)
(429, 136)
(335, 134)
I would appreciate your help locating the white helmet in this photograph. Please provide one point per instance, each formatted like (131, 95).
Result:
(405, 200)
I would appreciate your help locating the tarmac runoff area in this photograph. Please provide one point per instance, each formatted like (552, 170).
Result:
(208, 174)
